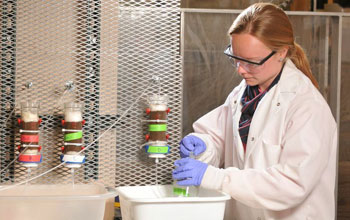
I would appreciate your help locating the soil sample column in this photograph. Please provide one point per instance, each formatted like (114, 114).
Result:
(73, 135)
(29, 149)
(156, 145)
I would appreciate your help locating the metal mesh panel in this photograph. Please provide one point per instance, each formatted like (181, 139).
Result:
(148, 45)
(102, 54)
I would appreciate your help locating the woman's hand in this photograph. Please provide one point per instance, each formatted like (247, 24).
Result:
(193, 144)
(189, 171)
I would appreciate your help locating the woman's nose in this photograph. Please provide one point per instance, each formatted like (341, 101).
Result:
(240, 70)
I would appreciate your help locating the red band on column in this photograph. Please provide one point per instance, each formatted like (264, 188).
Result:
(29, 158)
(29, 138)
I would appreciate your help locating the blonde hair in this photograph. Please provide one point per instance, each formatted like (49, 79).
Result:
(271, 25)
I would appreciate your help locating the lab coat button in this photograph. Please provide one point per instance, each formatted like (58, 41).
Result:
(278, 104)
(253, 139)
(235, 102)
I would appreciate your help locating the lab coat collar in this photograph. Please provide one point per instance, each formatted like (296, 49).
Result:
(288, 73)
(288, 82)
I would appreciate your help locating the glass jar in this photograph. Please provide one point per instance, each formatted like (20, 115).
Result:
(73, 112)
(30, 111)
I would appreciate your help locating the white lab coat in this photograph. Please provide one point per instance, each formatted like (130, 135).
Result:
(288, 170)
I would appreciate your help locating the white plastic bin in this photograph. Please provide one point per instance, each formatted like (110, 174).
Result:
(158, 203)
(54, 202)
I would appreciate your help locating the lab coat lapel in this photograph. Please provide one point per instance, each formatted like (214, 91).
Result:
(237, 107)
(262, 115)
(276, 100)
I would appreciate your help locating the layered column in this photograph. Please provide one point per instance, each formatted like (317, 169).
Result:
(157, 138)
(29, 122)
(73, 135)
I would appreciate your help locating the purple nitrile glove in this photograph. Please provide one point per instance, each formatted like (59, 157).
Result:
(193, 144)
(189, 171)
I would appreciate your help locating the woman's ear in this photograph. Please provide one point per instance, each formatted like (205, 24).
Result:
(283, 53)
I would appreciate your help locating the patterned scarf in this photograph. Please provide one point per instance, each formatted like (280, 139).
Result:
(250, 100)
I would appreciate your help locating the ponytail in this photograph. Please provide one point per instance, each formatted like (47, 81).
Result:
(297, 55)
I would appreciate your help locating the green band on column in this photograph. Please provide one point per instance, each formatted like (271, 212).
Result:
(158, 149)
(73, 136)
(157, 127)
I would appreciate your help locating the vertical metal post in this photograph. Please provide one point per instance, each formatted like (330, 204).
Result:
(336, 88)
(326, 77)
(92, 86)
(182, 55)
(314, 5)
(7, 84)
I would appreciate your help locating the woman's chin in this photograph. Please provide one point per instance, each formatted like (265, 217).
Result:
(250, 82)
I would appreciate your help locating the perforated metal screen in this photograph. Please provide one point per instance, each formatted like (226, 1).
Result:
(102, 54)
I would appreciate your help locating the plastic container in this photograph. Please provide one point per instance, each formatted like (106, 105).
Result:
(54, 202)
(158, 203)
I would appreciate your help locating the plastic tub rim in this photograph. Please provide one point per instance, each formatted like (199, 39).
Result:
(111, 192)
(220, 198)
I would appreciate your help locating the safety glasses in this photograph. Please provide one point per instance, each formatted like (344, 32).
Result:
(247, 64)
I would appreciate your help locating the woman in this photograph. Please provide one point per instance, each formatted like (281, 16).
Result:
(272, 144)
